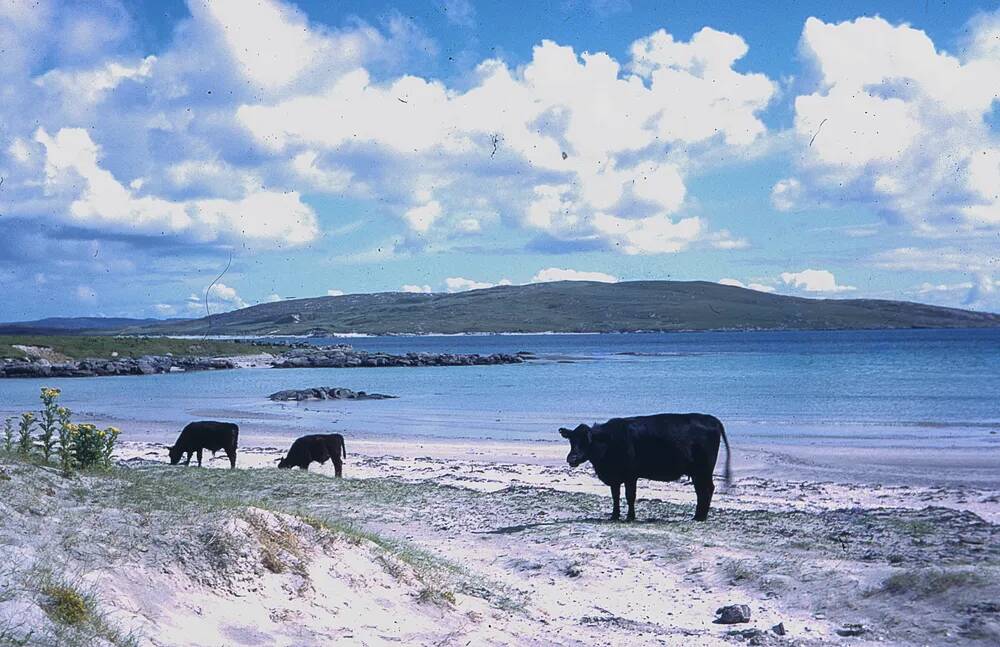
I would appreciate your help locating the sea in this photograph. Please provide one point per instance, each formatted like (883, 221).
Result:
(917, 387)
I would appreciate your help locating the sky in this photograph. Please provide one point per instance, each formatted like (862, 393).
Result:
(829, 150)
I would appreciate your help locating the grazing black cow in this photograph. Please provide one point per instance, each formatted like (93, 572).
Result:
(206, 434)
(663, 447)
(316, 447)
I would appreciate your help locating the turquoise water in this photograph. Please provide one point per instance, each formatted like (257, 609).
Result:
(928, 386)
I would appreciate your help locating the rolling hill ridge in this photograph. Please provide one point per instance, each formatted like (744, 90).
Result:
(571, 306)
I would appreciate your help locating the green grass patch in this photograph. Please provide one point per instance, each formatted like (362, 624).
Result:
(102, 347)
(65, 604)
(929, 582)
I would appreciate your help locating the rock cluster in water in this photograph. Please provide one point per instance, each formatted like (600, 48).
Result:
(146, 365)
(326, 393)
(347, 357)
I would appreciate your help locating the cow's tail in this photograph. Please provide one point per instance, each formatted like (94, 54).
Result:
(729, 454)
(343, 447)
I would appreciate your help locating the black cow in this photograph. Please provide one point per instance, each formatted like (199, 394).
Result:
(206, 434)
(316, 447)
(663, 447)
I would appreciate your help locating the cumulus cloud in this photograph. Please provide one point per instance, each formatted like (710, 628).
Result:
(814, 281)
(523, 128)
(96, 199)
(221, 297)
(334, 293)
(416, 289)
(216, 138)
(760, 287)
(898, 125)
(461, 284)
(981, 293)
(559, 274)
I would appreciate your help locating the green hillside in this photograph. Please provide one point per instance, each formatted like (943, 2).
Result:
(573, 306)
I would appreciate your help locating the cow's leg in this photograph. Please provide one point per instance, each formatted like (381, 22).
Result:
(704, 488)
(630, 499)
(199, 456)
(231, 453)
(338, 466)
(616, 496)
(188, 460)
(304, 468)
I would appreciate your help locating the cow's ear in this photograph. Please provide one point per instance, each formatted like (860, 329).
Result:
(564, 432)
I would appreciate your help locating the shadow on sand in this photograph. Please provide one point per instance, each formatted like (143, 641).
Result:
(507, 530)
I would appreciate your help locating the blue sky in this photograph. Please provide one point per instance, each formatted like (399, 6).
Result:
(833, 150)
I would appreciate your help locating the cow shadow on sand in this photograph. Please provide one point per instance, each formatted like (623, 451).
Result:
(605, 521)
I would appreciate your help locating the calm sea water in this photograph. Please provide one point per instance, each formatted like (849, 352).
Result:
(925, 386)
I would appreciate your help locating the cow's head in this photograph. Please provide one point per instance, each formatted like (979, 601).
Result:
(175, 454)
(283, 463)
(580, 442)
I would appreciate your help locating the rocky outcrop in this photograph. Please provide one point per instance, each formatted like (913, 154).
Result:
(326, 393)
(146, 365)
(298, 356)
(346, 357)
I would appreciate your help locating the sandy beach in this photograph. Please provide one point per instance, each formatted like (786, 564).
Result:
(456, 542)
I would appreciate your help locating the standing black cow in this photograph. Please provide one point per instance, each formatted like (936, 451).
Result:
(206, 434)
(316, 447)
(663, 447)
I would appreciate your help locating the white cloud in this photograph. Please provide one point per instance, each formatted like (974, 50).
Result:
(334, 293)
(416, 289)
(260, 105)
(274, 297)
(221, 297)
(982, 293)
(942, 259)
(164, 309)
(460, 284)
(86, 294)
(615, 185)
(760, 287)
(652, 235)
(814, 281)
(928, 288)
(898, 125)
(420, 218)
(560, 274)
(90, 85)
(98, 200)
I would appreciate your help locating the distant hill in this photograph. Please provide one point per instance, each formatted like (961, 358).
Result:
(74, 325)
(572, 306)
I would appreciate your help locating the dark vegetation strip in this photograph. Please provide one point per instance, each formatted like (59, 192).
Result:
(80, 347)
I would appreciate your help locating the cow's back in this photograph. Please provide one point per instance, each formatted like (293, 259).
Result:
(666, 446)
(209, 434)
(314, 447)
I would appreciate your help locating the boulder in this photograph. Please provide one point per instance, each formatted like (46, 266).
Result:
(732, 614)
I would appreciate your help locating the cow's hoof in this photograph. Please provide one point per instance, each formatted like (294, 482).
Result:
(701, 518)
(631, 517)
(615, 517)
